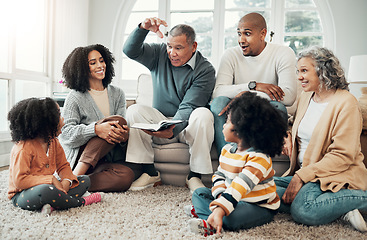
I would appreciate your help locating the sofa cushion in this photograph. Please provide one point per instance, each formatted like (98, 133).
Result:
(171, 153)
(145, 92)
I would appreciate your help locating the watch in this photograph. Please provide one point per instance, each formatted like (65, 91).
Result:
(252, 85)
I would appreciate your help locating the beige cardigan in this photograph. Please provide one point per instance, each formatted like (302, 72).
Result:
(333, 156)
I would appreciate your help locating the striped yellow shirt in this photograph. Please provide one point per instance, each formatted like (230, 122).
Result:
(244, 176)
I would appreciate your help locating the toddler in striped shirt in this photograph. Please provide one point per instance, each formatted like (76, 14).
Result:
(243, 193)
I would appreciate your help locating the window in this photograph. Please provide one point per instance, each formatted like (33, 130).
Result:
(199, 15)
(23, 58)
(138, 14)
(302, 25)
(4, 104)
(295, 23)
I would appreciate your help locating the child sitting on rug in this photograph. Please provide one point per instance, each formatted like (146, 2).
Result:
(37, 155)
(243, 193)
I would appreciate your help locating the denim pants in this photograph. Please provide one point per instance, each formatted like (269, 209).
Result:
(217, 106)
(312, 206)
(245, 215)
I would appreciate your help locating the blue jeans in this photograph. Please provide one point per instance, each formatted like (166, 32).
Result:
(245, 215)
(312, 206)
(217, 106)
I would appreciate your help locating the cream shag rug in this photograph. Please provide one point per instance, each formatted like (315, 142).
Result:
(155, 213)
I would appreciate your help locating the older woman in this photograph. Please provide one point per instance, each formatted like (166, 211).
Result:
(95, 133)
(327, 178)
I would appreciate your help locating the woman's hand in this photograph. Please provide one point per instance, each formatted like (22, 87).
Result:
(293, 188)
(153, 24)
(166, 133)
(112, 132)
(119, 133)
(58, 184)
(216, 219)
(287, 146)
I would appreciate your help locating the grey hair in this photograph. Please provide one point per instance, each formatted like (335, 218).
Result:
(327, 66)
(187, 30)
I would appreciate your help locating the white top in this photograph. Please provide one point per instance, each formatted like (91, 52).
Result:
(307, 125)
(276, 64)
(101, 99)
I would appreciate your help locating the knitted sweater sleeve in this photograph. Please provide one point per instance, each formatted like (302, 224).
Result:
(117, 101)
(75, 133)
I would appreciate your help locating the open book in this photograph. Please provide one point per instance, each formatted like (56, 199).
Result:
(156, 126)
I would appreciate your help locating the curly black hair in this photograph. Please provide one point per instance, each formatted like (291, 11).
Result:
(257, 123)
(76, 67)
(34, 118)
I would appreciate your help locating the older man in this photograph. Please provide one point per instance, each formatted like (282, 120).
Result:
(183, 81)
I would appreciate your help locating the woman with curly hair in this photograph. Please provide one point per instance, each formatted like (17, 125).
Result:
(243, 194)
(37, 155)
(327, 178)
(95, 133)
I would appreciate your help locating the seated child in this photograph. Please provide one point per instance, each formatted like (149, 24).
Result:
(37, 155)
(243, 193)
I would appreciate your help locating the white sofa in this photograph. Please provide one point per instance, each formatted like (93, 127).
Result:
(172, 160)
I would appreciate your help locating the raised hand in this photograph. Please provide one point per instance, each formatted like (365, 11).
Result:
(153, 24)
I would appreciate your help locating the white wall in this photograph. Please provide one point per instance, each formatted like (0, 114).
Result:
(70, 30)
(102, 18)
(350, 19)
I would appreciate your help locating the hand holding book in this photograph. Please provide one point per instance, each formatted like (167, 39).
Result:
(154, 127)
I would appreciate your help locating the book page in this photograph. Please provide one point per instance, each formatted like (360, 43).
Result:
(156, 126)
